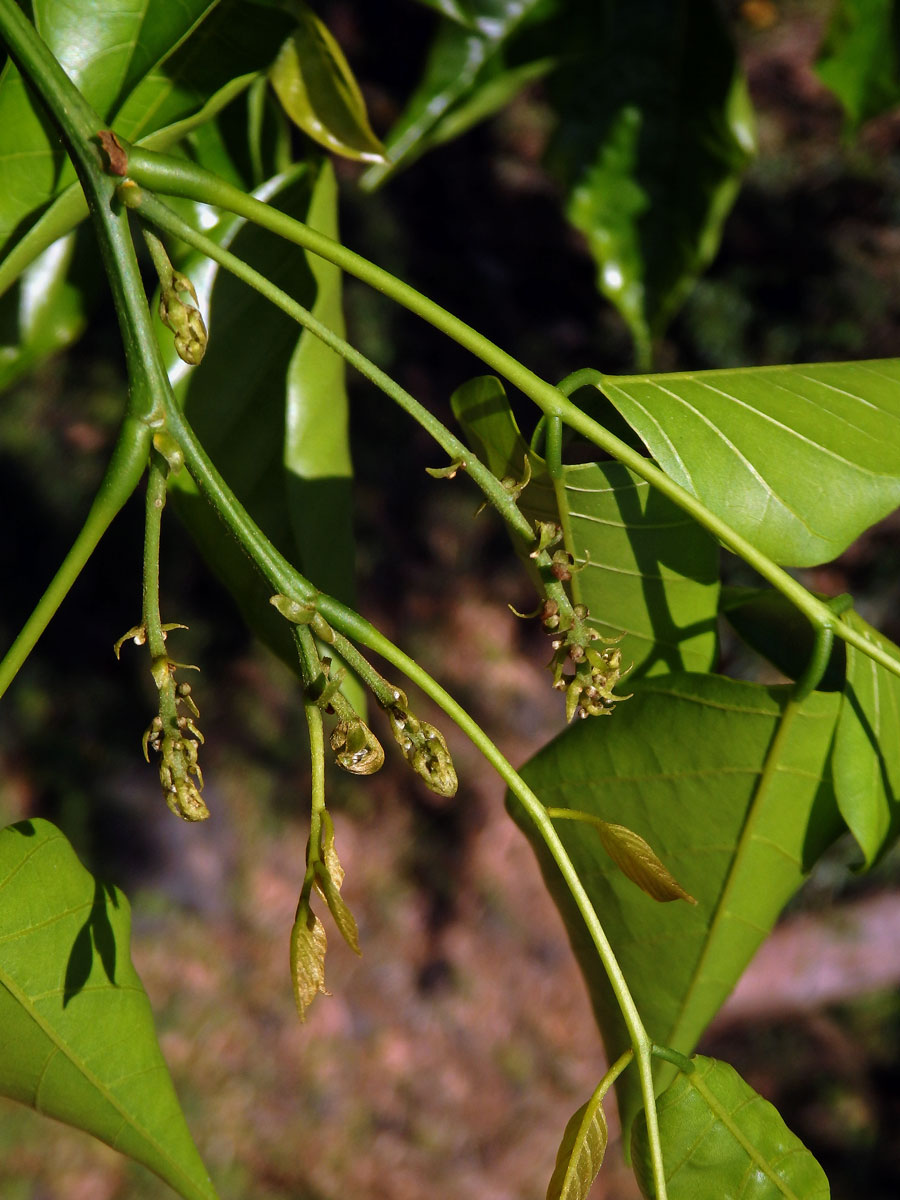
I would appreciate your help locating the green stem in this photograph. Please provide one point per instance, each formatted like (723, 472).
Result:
(155, 502)
(152, 210)
(316, 728)
(122, 476)
(353, 625)
(180, 178)
(681, 1061)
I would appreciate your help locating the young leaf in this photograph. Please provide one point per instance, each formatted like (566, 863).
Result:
(78, 1042)
(581, 1151)
(860, 58)
(800, 460)
(655, 129)
(720, 1138)
(650, 571)
(729, 783)
(329, 854)
(636, 859)
(866, 761)
(308, 946)
(317, 90)
(337, 906)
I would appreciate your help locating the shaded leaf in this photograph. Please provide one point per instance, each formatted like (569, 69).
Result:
(466, 78)
(655, 128)
(866, 761)
(315, 85)
(308, 946)
(798, 459)
(728, 782)
(860, 57)
(42, 315)
(581, 1151)
(775, 628)
(721, 1138)
(77, 1040)
(650, 571)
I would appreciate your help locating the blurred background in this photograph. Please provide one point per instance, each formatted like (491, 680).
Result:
(449, 1057)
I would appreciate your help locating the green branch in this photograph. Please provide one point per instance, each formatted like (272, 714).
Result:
(159, 215)
(179, 178)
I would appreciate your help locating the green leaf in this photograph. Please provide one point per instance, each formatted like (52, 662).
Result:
(655, 128)
(308, 947)
(860, 58)
(337, 906)
(728, 782)
(142, 67)
(651, 572)
(317, 89)
(798, 459)
(42, 315)
(721, 1138)
(99, 45)
(78, 1041)
(866, 746)
(638, 861)
(581, 1151)
(467, 77)
(454, 9)
(772, 626)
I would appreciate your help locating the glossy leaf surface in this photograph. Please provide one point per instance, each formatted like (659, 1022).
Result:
(76, 1031)
(655, 129)
(860, 57)
(143, 68)
(317, 89)
(727, 781)
(800, 460)
(581, 1151)
(721, 1138)
(104, 47)
(649, 571)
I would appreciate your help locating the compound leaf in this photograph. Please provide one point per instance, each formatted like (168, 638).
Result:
(76, 1031)
(798, 459)
(728, 782)
(721, 1138)
(649, 571)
